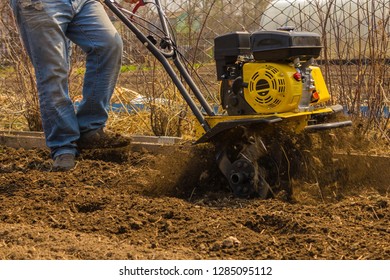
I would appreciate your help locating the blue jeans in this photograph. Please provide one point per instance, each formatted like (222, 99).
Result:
(47, 27)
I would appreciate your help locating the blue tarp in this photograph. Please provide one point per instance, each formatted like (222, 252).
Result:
(365, 110)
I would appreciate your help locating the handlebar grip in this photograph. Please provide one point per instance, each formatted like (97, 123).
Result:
(139, 4)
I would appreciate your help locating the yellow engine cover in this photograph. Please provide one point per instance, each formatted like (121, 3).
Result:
(320, 84)
(271, 87)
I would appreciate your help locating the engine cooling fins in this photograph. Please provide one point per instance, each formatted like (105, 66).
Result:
(268, 87)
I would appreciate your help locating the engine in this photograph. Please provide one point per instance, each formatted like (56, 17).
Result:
(269, 72)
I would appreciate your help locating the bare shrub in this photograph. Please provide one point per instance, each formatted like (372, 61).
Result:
(19, 84)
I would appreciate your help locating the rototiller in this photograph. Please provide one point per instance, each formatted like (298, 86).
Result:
(270, 92)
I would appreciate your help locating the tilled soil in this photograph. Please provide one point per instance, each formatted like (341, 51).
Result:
(175, 205)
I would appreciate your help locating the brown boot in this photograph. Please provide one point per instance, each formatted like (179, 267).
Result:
(64, 162)
(101, 139)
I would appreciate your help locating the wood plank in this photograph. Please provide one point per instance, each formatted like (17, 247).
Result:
(33, 140)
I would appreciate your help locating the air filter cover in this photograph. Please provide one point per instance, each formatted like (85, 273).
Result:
(284, 45)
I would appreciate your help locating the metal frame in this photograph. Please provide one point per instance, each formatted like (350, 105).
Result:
(163, 58)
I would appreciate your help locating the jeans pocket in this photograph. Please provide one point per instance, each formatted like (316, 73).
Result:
(31, 5)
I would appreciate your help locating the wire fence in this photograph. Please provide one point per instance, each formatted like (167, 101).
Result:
(355, 58)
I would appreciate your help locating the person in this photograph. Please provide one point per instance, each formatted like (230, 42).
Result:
(47, 28)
